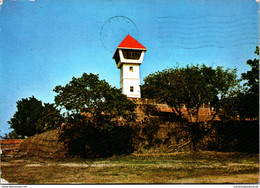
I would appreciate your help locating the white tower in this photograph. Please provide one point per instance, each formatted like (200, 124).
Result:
(128, 57)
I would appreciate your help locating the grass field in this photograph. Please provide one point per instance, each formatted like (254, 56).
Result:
(201, 167)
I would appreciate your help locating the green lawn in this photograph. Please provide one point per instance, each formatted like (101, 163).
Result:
(184, 167)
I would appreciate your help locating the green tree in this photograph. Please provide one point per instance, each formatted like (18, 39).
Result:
(243, 101)
(190, 87)
(32, 117)
(94, 111)
(11, 135)
(233, 106)
(51, 117)
(249, 100)
(25, 119)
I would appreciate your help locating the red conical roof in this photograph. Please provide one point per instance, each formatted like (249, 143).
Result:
(130, 42)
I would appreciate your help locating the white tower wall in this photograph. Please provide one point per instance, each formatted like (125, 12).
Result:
(128, 57)
(130, 80)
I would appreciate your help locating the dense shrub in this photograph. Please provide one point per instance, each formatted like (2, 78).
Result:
(237, 136)
(83, 138)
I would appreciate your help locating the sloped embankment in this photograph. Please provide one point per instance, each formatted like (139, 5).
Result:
(154, 137)
(45, 145)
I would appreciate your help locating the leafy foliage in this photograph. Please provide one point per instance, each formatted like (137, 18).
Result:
(51, 117)
(32, 117)
(88, 94)
(243, 102)
(249, 101)
(83, 138)
(94, 113)
(11, 135)
(25, 119)
(190, 86)
(231, 106)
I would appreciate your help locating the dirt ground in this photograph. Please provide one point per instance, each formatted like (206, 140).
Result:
(182, 167)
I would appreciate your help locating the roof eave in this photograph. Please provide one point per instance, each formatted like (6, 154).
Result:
(143, 49)
(131, 48)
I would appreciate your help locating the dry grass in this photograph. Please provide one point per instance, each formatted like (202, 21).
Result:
(202, 167)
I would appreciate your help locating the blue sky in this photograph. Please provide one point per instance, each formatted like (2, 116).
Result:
(44, 43)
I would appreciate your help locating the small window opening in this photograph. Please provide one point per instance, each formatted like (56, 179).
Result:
(132, 54)
(131, 69)
(131, 88)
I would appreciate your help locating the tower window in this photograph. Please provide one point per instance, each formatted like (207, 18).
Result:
(131, 69)
(132, 54)
(131, 88)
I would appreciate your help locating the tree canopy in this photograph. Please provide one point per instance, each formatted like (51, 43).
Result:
(249, 99)
(88, 94)
(190, 86)
(51, 117)
(243, 101)
(32, 117)
(25, 119)
(252, 77)
(11, 135)
(94, 111)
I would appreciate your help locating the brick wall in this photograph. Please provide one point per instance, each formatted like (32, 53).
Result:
(9, 145)
(205, 113)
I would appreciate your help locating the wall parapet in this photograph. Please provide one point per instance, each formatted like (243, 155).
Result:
(205, 111)
(154, 102)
